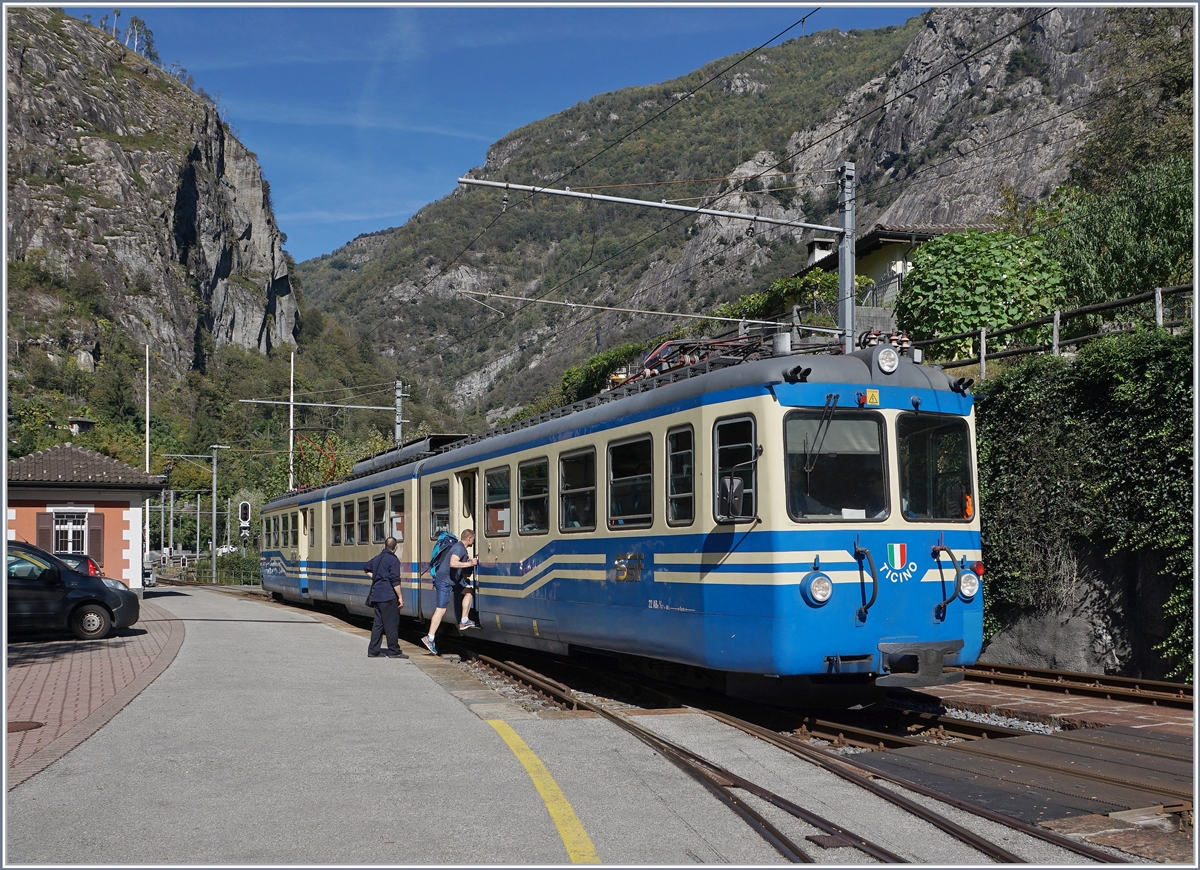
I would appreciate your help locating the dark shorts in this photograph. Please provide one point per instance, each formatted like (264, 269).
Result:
(445, 590)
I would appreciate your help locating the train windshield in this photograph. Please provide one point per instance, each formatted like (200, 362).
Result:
(835, 466)
(935, 467)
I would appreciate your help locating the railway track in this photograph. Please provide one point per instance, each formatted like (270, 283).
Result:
(722, 782)
(1155, 692)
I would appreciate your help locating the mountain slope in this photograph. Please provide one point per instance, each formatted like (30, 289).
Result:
(921, 110)
(129, 202)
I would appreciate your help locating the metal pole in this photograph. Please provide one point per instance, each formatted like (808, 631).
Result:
(1158, 311)
(846, 254)
(291, 429)
(197, 524)
(645, 203)
(146, 504)
(982, 353)
(171, 545)
(1057, 313)
(399, 433)
(213, 539)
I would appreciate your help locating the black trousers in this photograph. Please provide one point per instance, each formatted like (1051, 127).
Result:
(387, 619)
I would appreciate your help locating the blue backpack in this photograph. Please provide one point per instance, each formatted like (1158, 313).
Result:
(441, 550)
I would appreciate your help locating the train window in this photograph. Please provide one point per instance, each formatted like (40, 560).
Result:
(398, 515)
(630, 483)
(535, 496)
(266, 532)
(734, 452)
(296, 530)
(348, 522)
(935, 467)
(378, 507)
(364, 520)
(468, 495)
(498, 499)
(310, 521)
(681, 505)
(577, 491)
(835, 466)
(335, 512)
(439, 508)
(286, 528)
(275, 532)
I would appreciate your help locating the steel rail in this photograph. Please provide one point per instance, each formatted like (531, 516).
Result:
(1087, 685)
(992, 749)
(975, 809)
(1166, 687)
(827, 762)
(715, 778)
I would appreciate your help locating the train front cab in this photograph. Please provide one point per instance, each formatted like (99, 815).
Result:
(879, 523)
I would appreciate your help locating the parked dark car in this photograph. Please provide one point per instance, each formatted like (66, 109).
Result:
(46, 594)
(82, 563)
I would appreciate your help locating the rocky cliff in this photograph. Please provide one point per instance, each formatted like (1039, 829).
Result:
(939, 117)
(128, 188)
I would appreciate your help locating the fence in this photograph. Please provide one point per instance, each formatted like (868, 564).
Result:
(1057, 319)
(233, 569)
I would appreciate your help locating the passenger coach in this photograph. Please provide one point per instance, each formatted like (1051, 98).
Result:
(797, 515)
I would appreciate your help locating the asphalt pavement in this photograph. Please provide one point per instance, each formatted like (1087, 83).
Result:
(271, 738)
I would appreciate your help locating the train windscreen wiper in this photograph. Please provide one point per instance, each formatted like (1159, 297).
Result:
(810, 457)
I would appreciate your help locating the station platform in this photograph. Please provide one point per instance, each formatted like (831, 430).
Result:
(223, 729)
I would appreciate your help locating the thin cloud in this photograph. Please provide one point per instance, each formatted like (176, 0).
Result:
(244, 112)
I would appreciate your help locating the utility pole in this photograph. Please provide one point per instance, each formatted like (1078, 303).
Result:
(846, 264)
(400, 421)
(146, 506)
(214, 448)
(292, 426)
(171, 545)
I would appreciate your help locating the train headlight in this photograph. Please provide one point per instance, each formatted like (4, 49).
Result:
(968, 584)
(889, 359)
(816, 587)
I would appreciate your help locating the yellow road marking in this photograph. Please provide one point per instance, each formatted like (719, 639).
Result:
(574, 837)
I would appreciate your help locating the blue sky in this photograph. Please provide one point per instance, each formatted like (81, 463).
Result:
(360, 116)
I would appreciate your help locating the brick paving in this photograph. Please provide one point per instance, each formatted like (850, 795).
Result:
(1053, 708)
(74, 687)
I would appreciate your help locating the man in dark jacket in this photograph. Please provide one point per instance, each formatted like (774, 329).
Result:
(386, 598)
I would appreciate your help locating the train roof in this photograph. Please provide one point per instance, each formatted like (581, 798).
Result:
(712, 375)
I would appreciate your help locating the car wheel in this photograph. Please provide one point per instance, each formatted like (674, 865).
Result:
(90, 622)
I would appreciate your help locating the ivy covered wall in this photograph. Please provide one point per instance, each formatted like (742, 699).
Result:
(1086, 493)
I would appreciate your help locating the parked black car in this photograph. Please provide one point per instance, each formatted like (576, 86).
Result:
(44, 593)
(82, 563)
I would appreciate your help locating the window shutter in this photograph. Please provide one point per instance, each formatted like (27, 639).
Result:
(45, 532)
(95, 531)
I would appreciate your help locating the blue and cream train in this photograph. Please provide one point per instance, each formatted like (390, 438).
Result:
(797, 515)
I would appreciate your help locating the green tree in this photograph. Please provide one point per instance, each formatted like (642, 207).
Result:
(963, 282)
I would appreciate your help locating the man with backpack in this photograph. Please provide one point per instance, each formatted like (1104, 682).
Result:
(450, 567)
(386, 598)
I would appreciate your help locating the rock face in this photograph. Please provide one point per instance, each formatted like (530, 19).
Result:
(120, 174)
(974, 101)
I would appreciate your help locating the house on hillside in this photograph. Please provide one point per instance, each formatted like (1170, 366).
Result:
(69, 499)
(884, 254)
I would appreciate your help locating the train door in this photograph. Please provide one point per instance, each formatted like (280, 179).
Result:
(468, 498)
(308, 554)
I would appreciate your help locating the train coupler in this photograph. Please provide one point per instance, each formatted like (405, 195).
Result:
(914, 664)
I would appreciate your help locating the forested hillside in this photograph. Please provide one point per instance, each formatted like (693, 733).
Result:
(940, 116)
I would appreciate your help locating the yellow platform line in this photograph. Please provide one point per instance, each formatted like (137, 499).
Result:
(579, 845)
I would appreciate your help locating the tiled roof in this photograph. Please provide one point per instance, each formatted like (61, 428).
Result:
(68, 464)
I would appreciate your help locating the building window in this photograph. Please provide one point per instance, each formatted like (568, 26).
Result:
(577, 491)
(630, 483)
(439, 508)
(398, 515)
(681, 462)
(335, 513)
(70, 530)
(535, 496)
(498, 495)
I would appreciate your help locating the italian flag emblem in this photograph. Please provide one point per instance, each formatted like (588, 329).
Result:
(898, 556)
